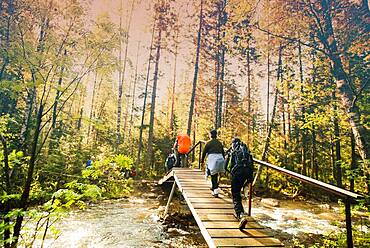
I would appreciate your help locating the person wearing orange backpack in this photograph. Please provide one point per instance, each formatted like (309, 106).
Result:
(181, 148)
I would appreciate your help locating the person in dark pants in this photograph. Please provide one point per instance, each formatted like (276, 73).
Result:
(241, 173)
(215, 151)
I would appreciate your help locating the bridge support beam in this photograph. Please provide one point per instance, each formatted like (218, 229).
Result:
(170, 199)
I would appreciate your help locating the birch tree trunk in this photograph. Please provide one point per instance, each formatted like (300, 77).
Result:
(345, 92)
(154, 95)
(174, 88)
(196, 68)
(124, 69)
(140, 145)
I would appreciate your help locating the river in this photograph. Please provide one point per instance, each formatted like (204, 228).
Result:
(135, 222)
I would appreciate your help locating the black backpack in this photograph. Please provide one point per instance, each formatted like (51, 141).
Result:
(170, 162)
(243, 158)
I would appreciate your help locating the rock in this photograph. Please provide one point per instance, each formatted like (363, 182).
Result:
(270, 202)
(150, 195)
(177, 231)
(161, 197)
(325, 206)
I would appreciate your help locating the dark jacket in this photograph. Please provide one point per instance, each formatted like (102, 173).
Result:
(213, 146)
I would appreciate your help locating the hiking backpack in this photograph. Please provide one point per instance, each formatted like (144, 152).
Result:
(243, 156)
(170, 162)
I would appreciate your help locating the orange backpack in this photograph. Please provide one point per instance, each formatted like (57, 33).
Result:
(183, 143)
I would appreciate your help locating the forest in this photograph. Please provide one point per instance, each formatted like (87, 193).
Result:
(114, 81)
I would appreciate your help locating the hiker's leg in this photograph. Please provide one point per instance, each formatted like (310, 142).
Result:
(177, 154)
(214, 180)
(236, 186)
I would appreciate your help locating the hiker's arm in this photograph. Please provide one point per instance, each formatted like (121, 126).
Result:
(226, 163)
(204, 153)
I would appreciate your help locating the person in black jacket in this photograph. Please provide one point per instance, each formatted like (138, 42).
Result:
(241, 174)
(215, 151)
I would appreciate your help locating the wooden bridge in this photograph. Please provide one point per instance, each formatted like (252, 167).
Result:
(214, 216)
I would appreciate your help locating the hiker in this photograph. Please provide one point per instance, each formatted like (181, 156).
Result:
(215, 162)
(89, 163)
(181, 148)
(240, 163)
(170, 161)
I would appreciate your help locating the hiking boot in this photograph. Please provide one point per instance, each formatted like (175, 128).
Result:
(243, 221)
(215, 192)
(237, 216)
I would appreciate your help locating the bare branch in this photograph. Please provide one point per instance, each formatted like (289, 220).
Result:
(290, 39)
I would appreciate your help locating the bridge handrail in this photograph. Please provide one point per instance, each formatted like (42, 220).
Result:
(195, 146)
(328, 187)
(192, 150)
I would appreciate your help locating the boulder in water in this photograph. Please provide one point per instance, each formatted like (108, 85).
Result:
(270, 202)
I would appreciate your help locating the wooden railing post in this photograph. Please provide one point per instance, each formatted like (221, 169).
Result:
(200, 155)
(347, 205)
(250, 193)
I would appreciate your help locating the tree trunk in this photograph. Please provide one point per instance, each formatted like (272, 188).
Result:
(172, 117)
(120, 82)
(31, 98)
(266, 146)
(249, 94)
(353, 164)
(338, 157)
(268, 69)
(92, 104)
(23, 204)
(7, 190)
(133, 97)
(53, 134)
(154, 95)
(196, 68)
(140, 145)
(345, 92)
(222, 78)
(217, 76)
(124, 69)
(303, 111)
(10, 12)
(314, 166)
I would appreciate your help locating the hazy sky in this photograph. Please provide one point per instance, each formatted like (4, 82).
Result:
(140, 31)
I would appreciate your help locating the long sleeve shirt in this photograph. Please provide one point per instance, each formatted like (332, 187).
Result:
(213, 146)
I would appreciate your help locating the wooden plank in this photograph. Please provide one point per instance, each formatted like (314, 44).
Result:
(215, 211)
(221, 217)
(196, 187)
(210, 200)
(199, 194)
(192, 180)
(195, 184)
(236, 233)
(211, 205)
(247, 242)
(230, 225)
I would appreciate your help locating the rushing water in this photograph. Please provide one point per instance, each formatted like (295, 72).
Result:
(295, 217)
(130, 222)
(135, 222)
